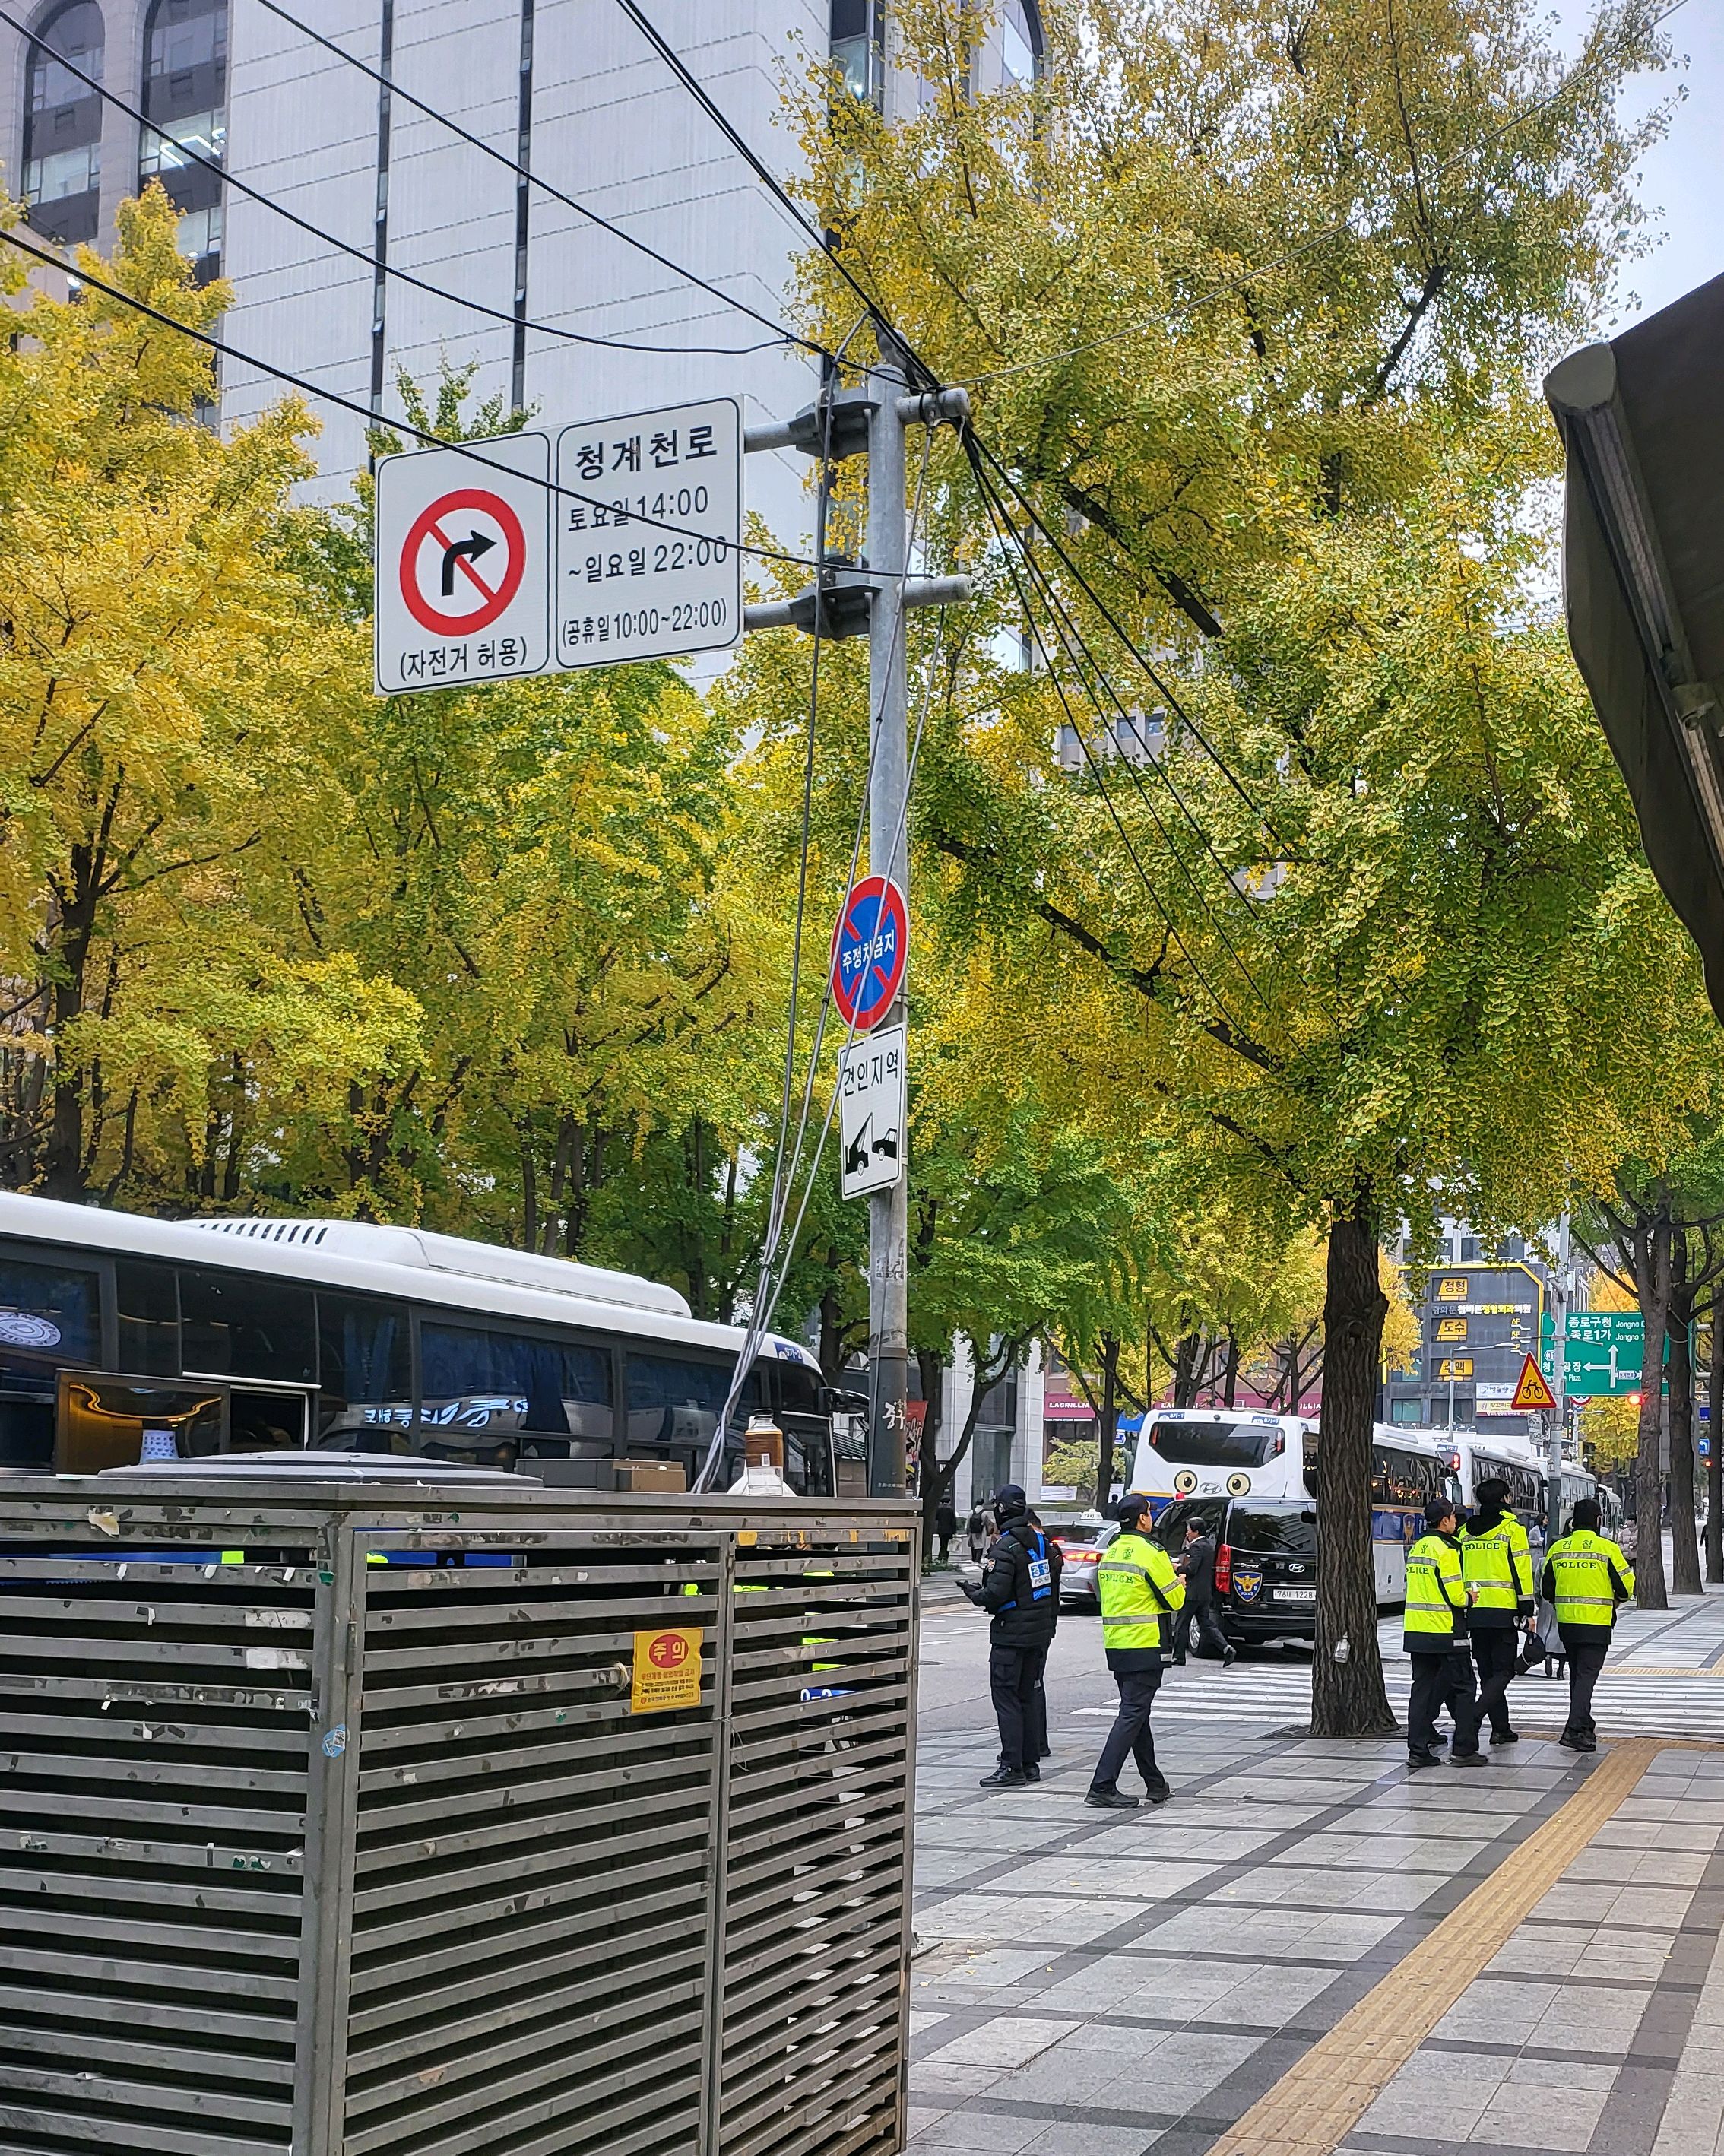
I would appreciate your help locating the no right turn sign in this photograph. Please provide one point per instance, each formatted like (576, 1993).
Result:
(463, 564)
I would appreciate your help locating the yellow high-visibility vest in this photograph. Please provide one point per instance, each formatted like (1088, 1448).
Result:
(1435, 1589)
(1139, 1588)
(1581, 1566)
(1499, 1563)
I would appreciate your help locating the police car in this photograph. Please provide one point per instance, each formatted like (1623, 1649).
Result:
(1265, 1561)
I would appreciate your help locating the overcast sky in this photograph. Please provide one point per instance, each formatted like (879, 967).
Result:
(1682, 181)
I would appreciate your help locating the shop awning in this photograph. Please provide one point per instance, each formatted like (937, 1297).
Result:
(1642, 419)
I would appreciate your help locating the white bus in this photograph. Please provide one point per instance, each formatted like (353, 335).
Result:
(1476, 1456)
(1216, 1452)
(1209, 1453)
(123, 1338)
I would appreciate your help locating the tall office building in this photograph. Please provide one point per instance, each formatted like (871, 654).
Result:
(569, 88)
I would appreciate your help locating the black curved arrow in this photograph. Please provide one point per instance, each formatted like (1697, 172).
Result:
(472, 545)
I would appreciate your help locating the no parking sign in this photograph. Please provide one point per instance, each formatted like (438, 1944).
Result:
(871, 947)
(463, 567)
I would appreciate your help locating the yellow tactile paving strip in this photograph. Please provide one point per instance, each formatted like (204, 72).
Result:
(1316, 2105)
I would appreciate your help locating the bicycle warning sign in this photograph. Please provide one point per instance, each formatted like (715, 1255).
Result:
(462, 569)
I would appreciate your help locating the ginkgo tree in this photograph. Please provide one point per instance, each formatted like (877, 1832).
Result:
(1252, 306)
(162, 684)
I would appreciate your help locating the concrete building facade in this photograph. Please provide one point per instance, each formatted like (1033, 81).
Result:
(569, 88)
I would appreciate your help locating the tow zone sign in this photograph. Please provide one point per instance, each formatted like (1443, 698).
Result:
(463, 564)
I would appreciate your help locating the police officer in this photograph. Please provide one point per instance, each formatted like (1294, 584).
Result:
(1588, 1577)
(1496, 1561)
(1141, 1597)
(1020, 1590)
(1437, 1599)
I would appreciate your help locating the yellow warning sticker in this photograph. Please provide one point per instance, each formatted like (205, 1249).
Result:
(667, 1670)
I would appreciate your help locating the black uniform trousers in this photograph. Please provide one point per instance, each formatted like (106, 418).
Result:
(1020, 1706)
(1211, 1639)
(1497, 1650)
(1586, 1659)
(1443, 1677)
(1130, 1738)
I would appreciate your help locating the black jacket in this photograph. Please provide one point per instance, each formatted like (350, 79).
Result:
(1007, 1592)
(1200, 1571)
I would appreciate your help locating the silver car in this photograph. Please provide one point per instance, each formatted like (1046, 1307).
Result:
(1081, 1542)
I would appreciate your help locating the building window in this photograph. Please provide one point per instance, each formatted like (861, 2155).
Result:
(63, 125)
(1469, 1250)
(1406, 1411)
(859, 47)
(185, 94)
(1020, 42)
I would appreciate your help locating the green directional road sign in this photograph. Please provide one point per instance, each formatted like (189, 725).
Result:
(1605, 1351)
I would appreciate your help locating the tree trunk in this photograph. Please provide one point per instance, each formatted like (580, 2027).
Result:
(1186, 1371)
(1348, 1695)
(1684, 1550)
(1715, 1449)
(1649, 1591)
(1107, 1422)
(930, 1369)
(1230, 1374)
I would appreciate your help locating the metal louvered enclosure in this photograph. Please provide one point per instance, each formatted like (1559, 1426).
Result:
(424, 1821)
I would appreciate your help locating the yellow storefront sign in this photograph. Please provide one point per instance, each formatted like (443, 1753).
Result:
(667, 1670)
(1451, 1328)
(1451, 1291)
(1456, 1366)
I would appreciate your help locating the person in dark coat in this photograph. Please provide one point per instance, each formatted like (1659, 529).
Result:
(945, 1526)
(1020, 1591)
(1196, 1565)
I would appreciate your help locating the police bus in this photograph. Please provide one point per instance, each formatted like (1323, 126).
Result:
(1209, 1454)
(123, 1338)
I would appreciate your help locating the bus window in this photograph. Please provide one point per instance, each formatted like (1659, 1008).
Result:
(1404, 1478)
(1218, 1444)
(809, 1462)
(49, 1315)
(365, 1370)
(238, 1325)
(675, 1401)
(471, 1380)
(147, 1296)
(107, 1422)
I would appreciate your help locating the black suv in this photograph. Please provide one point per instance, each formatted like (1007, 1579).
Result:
(1265, 1561)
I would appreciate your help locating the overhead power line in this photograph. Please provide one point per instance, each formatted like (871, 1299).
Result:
(756, 163)
(375, 263)
(422, 435)
(1011, 543)
(555, 193)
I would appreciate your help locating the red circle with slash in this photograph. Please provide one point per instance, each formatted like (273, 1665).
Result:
(871, 948)
(451, 576)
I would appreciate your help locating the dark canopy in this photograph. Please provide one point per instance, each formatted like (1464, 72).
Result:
(1642, 554)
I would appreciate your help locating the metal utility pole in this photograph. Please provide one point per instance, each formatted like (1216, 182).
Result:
(888, 855)
(1559, 1377)
(846, 602)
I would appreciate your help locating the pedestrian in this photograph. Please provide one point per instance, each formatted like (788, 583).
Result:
(1496, 1561)
(1020, 1591)
(1548, 1638)
(976, 1530)
(1588, 1577)
(1437, 1599)
(1196, 1566)
(1141, 1596)
(945, 1527)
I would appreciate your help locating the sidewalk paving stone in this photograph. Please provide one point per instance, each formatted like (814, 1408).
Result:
(1102, 1986)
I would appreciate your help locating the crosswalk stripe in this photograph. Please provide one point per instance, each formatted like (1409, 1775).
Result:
(1689, 1703)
